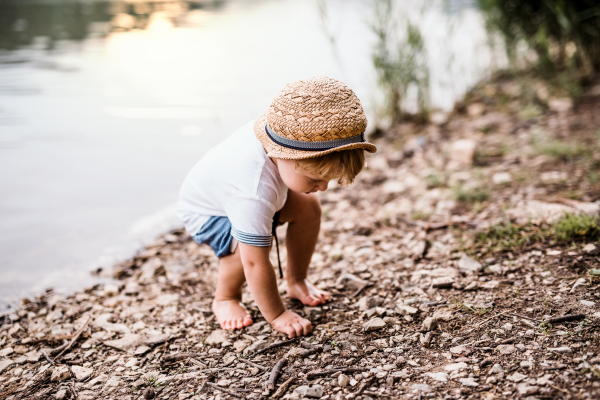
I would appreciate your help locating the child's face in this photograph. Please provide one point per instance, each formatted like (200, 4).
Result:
(299, 181)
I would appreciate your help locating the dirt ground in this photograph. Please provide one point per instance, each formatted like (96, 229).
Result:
(453, 273)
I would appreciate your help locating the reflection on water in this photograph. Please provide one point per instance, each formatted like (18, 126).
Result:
(23, 21)
(105, 106)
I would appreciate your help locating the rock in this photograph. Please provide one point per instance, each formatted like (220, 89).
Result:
(154, 340)
(587, 303)
(112, 383)
(429, 324)
(506, 349)
(443, 314)
(562, 350)
(544, 380)
(111, 290)
(259, 344)
(343, 380)
(240, 345)
(33, 356)
(374, 324)
(102, 321)
(218, 336)
(528, 210)
(462, 151)
(406, 310)
(516, 377)
(315, 391)
(469, 265)
(469, 382)
(4, 364)
(455, 366)
(7, 351)
(141, 350)
(492, 380)
(99, 379)
(126, 343)
(81, 373)
(507, 327)
(590, 248)
(526, 389)
(471, 286)
(438, 376)
(131, 363)
(60, 374)
(351, 281)
(421, 387)
(496, 369)
(366, 302)
(61, 394)
(475, 109)
(394, 187)
(425, 339)
(579, 283)
(442, 283)
(560, 105)
(461, 350)
(18, 371)
(501, 177)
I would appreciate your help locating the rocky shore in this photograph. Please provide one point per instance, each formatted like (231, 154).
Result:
(454, 271)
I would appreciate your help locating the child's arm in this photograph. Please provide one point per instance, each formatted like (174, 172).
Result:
(263, 286)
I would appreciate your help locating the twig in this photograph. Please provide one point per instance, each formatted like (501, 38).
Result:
(58, 349)
(75, 337)
(275, 374)
(274, 346)
(565, 318)
(281, 391)
(523, 316)
(48, 359)
(326, 372)
(491, 318)
(229, 392)
(363, 386)
(197, 362)
(253, 364)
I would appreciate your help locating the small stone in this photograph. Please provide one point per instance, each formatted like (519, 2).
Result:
(259, 344)
(443, 314)
(589, 248)
(516, 377)
(438, 376)
(7, 351)
(343, 380)
(141, 350)
(460, 350)
(406, 310)
(463, 151)
(61, 394)
(218, 336)
(491, 380)
(469, 382)
(18, 371)
(429, 324)
(131, 363)
(4, 364)
(501, 177)
(366, 302)
(496, 369)
(240, 345)
(374, 324)
(471, 286)
(149, 393)
(127, 342)
(467, 264)
(507, 327)
(444, 282)
(81, 373)
(351, 281)
(526, 389)
(421, 387)
(455, 366)
(544, 380)
(315, 391)
(425, 339)
(506, 349)
(60, 374)
(587, 303)
(561, 350)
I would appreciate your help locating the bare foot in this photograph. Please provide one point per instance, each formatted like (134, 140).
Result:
(231, 314)
(307, 293)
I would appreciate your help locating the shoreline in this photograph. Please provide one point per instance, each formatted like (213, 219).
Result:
(430, 297)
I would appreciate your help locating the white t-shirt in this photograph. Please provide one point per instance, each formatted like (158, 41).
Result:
(235, 179)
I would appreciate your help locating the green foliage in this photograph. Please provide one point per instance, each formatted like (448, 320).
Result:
(508, 236)
(564, 34)
(400, 62)
(545, 327)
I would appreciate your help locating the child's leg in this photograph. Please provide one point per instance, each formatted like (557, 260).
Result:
(227, 305)
(303, 213)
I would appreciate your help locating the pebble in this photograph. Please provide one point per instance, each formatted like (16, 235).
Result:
(587, 303)
(374, 324)
(516, 377)
(421, 387)
(561, 350)
(343, 380)
(506, 349)
(429, 324)
(81, 373)
(496, 369)
(469, 382)
(467, 264)
(455, 366)
(526, 389)
(438, 376)
(60, 374)
(218, 336)
(7, 351)
(315, 391)
(5, 364)
(61, 394)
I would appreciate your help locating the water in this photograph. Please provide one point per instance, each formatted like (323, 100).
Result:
(104, 107)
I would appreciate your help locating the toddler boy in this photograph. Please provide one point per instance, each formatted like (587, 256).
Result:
(265, 174)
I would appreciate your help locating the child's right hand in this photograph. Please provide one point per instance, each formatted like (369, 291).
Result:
(292, 324)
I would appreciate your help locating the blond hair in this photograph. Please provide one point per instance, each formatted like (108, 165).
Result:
(341, 165)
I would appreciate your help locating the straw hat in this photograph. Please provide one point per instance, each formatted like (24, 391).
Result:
(313, 117)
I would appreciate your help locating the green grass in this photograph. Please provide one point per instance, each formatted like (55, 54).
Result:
(509, 237)
(476, 195)
(564, 151)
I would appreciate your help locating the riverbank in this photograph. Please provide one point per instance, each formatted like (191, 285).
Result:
(453, 270)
